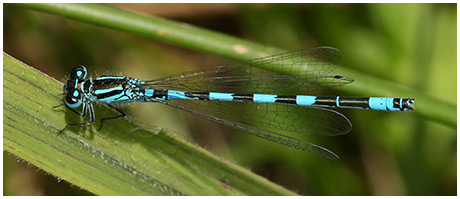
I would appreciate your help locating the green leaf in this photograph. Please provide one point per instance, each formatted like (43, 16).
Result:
(427, 106)
(121, 159)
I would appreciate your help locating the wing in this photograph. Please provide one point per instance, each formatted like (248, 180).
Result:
(272, 121)
(297, 71)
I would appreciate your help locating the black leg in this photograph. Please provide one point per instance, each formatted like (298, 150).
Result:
(86, 106)
(58, 105)
(122, 114)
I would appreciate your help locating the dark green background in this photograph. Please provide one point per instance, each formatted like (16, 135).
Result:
(385, 154)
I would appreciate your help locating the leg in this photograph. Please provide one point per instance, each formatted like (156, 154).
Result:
(86, 106)
(83, 113)
(122, 114)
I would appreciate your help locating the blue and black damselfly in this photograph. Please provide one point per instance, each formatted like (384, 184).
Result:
(261, 96)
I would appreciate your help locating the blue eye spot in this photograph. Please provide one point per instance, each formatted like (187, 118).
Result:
(76, 93)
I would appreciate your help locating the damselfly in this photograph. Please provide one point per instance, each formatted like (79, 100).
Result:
(263, 96)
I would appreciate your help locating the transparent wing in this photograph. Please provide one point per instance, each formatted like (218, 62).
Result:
(297, 71)
(272, 121)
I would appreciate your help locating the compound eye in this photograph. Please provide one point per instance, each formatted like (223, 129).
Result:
(73, 98)
(78, 72)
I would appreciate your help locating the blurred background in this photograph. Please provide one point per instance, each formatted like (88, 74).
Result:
(385, 154)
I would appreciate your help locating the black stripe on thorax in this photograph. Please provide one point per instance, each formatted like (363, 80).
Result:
(107, 82)
(108, 94)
